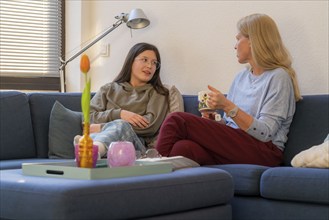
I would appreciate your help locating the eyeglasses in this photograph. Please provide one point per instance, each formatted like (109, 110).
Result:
(146, 60)
(150, 153)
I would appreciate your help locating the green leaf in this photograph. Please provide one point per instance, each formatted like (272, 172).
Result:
(85, 102)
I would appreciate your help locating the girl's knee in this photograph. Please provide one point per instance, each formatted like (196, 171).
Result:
(124, 124)
(120, 121)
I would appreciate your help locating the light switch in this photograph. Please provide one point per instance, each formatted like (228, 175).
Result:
(105, 50)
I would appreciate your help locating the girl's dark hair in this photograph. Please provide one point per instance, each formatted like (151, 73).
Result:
(125, 73)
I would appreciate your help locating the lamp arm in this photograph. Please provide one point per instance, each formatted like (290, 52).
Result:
(64, 63)
(136, 19)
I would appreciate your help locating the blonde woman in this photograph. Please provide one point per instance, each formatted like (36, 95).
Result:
(259, 107)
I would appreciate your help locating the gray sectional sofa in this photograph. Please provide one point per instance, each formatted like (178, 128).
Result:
(260, 192)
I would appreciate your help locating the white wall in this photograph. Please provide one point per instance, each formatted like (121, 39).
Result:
(196, 40)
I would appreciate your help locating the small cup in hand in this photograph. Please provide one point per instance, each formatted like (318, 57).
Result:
(202, 99)
(204, 109)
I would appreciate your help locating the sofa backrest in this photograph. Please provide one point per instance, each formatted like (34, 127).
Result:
(191, 104)
(41, 105)
(25, 122)
(309, 127)
(16, 133)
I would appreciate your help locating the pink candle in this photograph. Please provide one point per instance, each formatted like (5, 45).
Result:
(95, 155)
(121, 153)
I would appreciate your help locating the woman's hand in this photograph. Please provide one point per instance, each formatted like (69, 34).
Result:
(212, 115)
(216, 99)
(208, 114)
(134, 119)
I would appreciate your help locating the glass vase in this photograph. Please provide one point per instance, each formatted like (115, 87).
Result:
(85, 152)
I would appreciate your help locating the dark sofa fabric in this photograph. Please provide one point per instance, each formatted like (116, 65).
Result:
(247, 177)
(249, 208)
(260, 192)
(286, 183)
(16, 133)
(309, 127)
(181, 193)
(41, 105)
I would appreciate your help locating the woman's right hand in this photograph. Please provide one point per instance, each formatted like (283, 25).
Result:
(134, 119)
(208, 114)
(211, 115)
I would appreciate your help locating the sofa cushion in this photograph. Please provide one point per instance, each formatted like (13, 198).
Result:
(16, 133)
(64, 124)
(258, 208)
(309, 127)
(296, 184)
(246, 177)
(118, 198)
(41, 105)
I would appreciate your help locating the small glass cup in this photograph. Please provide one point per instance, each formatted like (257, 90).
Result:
(95, 155)
(150, 153)
(121, 153)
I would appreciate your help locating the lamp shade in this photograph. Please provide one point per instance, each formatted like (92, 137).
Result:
(137, 19)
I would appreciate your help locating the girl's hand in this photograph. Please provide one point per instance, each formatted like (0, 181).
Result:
(95, 128)
(134, 119)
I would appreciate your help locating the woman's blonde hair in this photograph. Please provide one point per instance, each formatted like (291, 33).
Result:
(267, 47)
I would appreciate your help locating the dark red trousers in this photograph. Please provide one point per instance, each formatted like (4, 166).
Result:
(208, 142)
